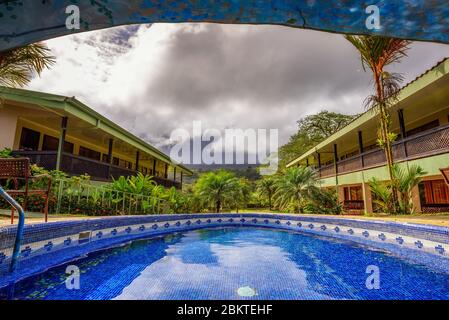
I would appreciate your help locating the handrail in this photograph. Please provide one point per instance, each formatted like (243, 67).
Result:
(19, 233)
(160, 180)
(394, 144)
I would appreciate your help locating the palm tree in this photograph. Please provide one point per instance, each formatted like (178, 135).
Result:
(18, 65)
(293, 188)
(376, 53)
(216, 188)
(266, 187)
(240, 194)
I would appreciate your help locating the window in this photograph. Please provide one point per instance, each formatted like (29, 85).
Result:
(422, 128)
(29, 139)
(51, 144)
(105, 158)
(434, 192)
(89, 153)
(353, 193)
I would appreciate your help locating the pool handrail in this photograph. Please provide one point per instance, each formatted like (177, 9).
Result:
(20, 225)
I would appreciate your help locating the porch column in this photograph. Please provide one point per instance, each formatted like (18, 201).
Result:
(361, 147)
(154, 167)
(174, 174)
(137, 160)
(336, 164)
(307, 162)
(416, 200)
(181, 177)
(402, 123)
(166, 171)
(340, 195)
(61, 143)
(110, 146)
(402, 128)
(318, 157)
(367, 198)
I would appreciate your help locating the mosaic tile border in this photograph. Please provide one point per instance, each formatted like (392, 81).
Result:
(46, 245)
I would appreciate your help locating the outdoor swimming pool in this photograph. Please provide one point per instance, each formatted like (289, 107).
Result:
(238, 263)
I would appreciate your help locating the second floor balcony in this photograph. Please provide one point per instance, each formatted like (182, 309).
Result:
(76, 165)
(428, 143)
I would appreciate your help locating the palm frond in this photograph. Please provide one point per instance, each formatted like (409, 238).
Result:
(19, 65)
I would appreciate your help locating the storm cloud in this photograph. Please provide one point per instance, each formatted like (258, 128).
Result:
(154, 80)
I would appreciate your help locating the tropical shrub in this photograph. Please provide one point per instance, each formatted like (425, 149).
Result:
(323, 201)
(6, 153)
(404, 181)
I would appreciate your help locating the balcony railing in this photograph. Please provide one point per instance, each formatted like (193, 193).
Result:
(353, 205)
(76, 165)
(428, 143)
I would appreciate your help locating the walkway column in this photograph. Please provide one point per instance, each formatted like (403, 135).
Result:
(402, 123)
(416, 200)
(336, 164)
(367, 198)
(110, 146)
(361, 150)
(61, 143)
(402, 127)
(137, 160)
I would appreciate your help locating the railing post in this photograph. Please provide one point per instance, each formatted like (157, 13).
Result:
(20, 226)
(60, 189)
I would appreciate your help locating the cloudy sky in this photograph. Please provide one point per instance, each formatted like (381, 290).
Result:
(152, 80)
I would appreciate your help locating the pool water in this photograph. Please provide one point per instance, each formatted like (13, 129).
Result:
(238, 263)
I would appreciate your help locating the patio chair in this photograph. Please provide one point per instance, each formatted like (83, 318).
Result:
(15, 169)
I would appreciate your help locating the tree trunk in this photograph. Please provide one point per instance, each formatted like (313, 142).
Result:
(269, 200)
(384, 128)
(218, 206)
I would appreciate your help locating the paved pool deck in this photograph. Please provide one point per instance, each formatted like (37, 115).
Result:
(430, 219)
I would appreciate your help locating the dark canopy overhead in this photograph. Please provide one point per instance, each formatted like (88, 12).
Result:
(26, 21)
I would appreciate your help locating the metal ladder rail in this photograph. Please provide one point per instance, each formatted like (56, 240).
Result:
(20, 226)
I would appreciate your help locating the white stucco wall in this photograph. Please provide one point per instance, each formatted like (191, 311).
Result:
(8, 123)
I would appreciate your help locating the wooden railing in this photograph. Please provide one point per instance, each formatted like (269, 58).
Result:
(353, 205)
(77, 165)
(427, 143)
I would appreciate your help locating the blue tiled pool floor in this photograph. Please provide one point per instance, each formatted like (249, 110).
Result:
(238, 263)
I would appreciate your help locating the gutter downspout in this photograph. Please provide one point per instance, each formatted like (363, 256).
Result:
(19, 234)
